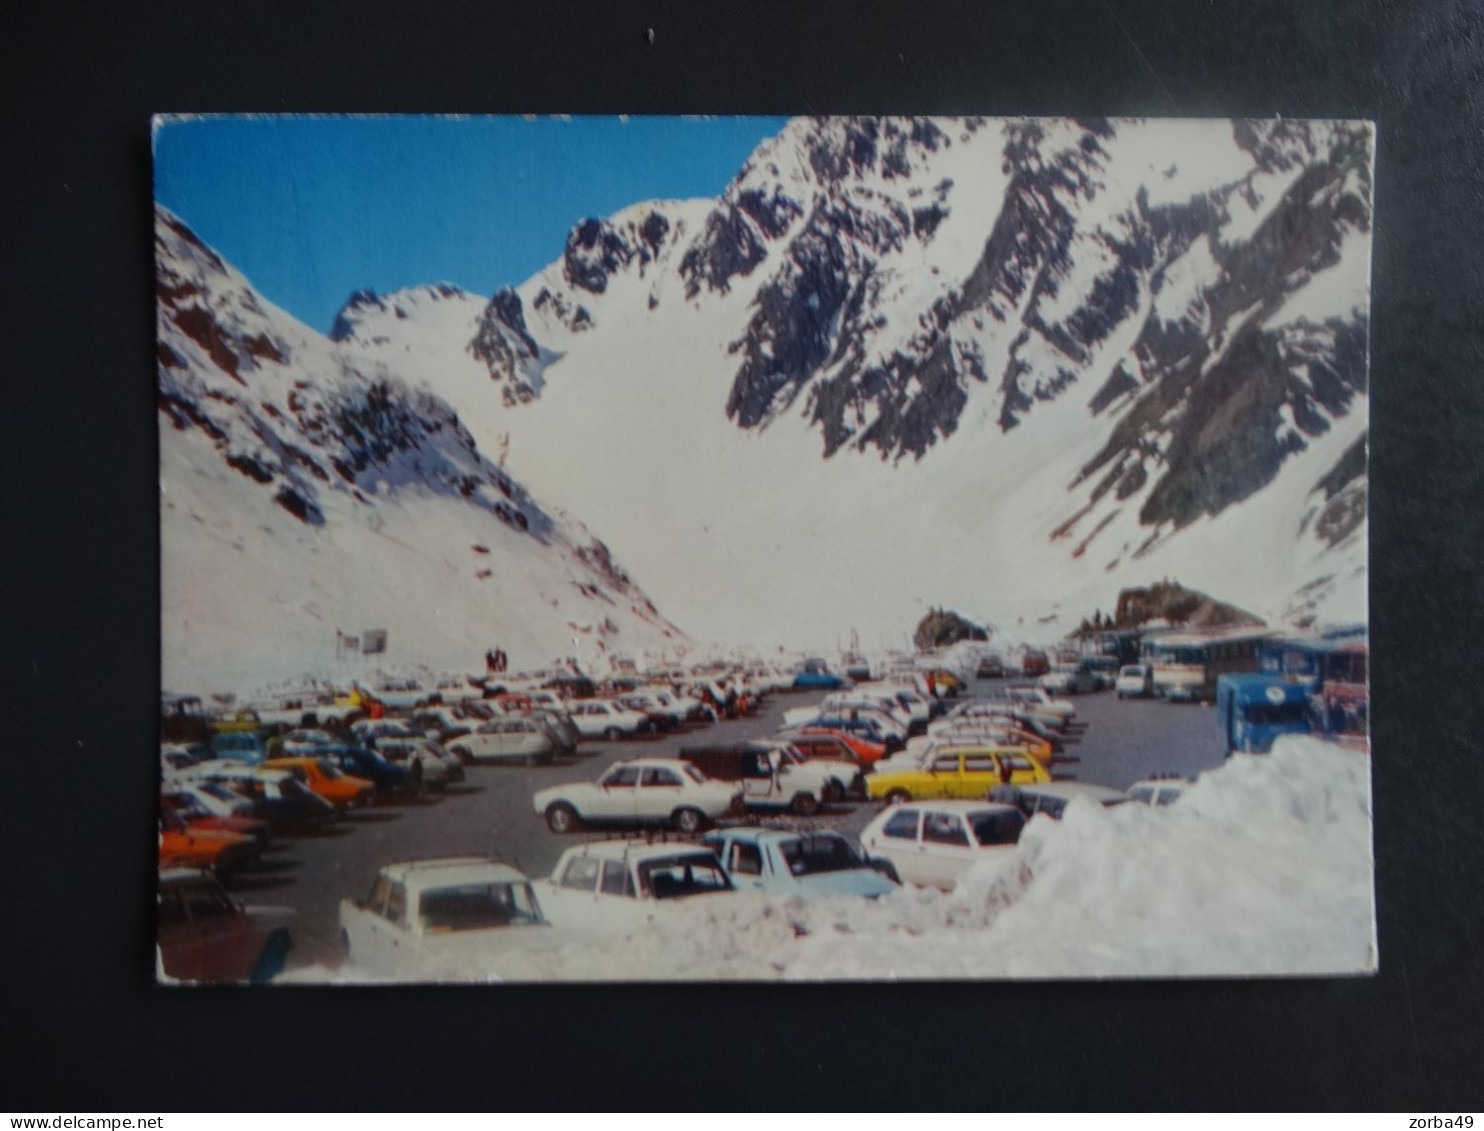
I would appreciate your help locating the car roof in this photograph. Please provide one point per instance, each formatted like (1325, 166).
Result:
(635, 850)
(954, 805)
(761, 836)
(453, 871)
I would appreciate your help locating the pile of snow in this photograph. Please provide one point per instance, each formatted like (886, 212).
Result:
(1262, 868)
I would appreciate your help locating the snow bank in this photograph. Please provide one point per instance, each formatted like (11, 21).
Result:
(1262, 868)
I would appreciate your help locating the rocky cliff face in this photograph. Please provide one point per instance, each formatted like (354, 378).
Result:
(1181, 306)
(262, 417)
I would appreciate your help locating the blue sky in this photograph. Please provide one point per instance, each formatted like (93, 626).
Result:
(311, 209)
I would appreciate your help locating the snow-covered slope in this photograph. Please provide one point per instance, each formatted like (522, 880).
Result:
(1008, 366)
(305, 490)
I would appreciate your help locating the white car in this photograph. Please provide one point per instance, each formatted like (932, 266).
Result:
(619, 886)
(1158, 791)
(598, 718)
(459, 914)
(306, 742)
(368, 732)
(932, 843)
(640, 791)
(1134, 680)
(215, 798)
(424, 758)
(1070, 679)
(402, 694)
(512, 738)
(1038, 701)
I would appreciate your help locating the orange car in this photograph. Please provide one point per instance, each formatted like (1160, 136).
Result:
(866, 752)
(329, 781)
(221, 851)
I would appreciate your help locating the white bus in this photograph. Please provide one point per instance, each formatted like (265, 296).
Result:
(1186, 665)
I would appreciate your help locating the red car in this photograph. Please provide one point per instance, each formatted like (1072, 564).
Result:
(203, 935)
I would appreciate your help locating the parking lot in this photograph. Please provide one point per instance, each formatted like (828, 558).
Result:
(491, 814)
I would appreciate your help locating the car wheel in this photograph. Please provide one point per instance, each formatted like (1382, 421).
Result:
(688, 820)
(561, 818)
(834, 791)
(462, 753)
(898, 796)
(805, 804)
(273, 959)
(612, 734)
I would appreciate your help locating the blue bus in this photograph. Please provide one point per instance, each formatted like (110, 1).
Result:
(1252, 710)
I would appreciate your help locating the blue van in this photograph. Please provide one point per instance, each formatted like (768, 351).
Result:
(1253, 710)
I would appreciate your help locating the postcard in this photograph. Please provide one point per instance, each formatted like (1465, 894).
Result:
(764, 549)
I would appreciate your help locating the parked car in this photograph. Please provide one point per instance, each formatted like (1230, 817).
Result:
(1134, 680)
(1038, 701)
(185, 803)
(990, 667)
(1162, 789)
(426, 758)
(661, 717)
(340, 789)
(203, 935)
(931, 844)
(956, 772)
(640, 791)
(814, 674)
(306, 740)
(360, 762)
(804, 865)
(404, 694)
(599, 718)
(1071, 679)
(241, 746)
(183, 720)
(982, 732)
(510, 738)
(460, 912)
(1052, 798)
(221, 851)
(830, 746)
(774, 775)
(1033, 663)
(1104, 670)
(280, 797)
(860, 723)
(618, 886)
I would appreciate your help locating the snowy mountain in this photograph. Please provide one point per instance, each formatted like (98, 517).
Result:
(306, 490)
(1008, 366)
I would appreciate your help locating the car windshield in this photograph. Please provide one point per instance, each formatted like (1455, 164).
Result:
(328, 768)
(811, 855)
(478, 907)
(676, 877)
(220, 792)
(996, 827)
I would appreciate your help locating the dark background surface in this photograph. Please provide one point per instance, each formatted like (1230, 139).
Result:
(87, 1029)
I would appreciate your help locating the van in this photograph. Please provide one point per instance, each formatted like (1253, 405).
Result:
(1253, 710)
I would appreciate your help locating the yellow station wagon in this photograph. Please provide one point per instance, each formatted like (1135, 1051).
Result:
(966, 772)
